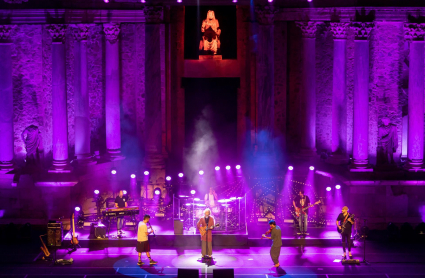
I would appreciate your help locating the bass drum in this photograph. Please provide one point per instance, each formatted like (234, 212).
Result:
(215, 211)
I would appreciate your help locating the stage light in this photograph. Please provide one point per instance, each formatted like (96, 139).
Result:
(309, 0)
(201, 172)
(124, 192)
(197, 199)
(146, 173)
(192, 192)
(143, 1)
(328, 188)
(235, 1)
(96, 192)
(290, 168)
(338, 186)
(168, 178)
(77, 208)
(113, 171)
(180, 175)
(157, 191)
(133, 176)
(270, 1)
(311, 168)
(179, 1)
(217, 168)
(227, 167)
(238, 167)
(106, 1)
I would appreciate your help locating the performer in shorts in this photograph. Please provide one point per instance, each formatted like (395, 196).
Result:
(143, 241)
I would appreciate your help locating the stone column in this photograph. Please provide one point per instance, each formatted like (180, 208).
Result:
(415, 99)
(361, 98)
(155, 94)
(308, 88)
(265, 86)
(112, 91)
(6, 100)
(339, 101)
(59, 101)
(81, 96)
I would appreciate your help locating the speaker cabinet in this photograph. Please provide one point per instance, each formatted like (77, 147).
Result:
(178, 227)
(54, 234)
(224, 273)
(187, 273)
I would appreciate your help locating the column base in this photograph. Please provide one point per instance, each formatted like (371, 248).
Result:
(114, 155)
(415, 165)
(60, 166)
(86, 159)
(337, 159)
(361, 166)
(6, 166)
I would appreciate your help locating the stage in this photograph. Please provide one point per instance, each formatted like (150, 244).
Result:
(393, 260)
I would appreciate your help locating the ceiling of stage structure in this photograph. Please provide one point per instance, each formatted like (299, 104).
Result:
(137, 4)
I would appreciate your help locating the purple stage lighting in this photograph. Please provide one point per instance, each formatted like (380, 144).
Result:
(113, 171)
(290, 168)
(201, 172)
(96, 192)
(146, 173)
(309, 0)
(168, 178)
(77, 208)
(227, 167)
(235, 1)
(106, 1)
(143, 1)
(180, 175)
(133, 176)
(270, 1)
(311, 168)
(192, 192)
(157, 191)
(179, 1)
(124, 192)
(328, 188)
(238, 167)
(217, 168)
(338, 186)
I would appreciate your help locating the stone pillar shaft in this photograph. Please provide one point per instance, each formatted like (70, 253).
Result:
(308, 88)
(6, 107)
(415, 147)
(81, 97)
(361, 102)
(112, 92)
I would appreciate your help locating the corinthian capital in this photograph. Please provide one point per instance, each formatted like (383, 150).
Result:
(81, 32)
(308, 28)
(5, 31)
(265, 14)
(154, 14)
(414, 31)
(362, 30)
(57, 31)
(339, 29)
(112, 31)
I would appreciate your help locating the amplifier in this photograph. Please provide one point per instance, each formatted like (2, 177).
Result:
(54, 234)
(97, 231)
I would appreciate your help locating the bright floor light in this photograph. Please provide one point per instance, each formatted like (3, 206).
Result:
(77, 208)
(290, 168)
(133, 176)
(180, 175)
(192, 192)
(238, 167)
(201, 172)
(338, 186)
(227, 167)
(328, 188)
(124, 192)
(96, 192)
(217, 168)
(311, 168)
(168, 178)
(146, 173)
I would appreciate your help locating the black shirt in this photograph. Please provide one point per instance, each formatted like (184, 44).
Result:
(121, 201)
(348, 224)
(298, 199)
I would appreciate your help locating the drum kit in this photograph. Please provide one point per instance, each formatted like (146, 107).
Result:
(195, 208)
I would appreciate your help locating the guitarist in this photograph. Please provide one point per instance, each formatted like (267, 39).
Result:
(208, 222)
(345, 223)
(300, 202)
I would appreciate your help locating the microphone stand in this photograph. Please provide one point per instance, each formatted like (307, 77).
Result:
(364, 236)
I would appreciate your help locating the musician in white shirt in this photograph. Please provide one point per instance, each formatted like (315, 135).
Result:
(211, 198)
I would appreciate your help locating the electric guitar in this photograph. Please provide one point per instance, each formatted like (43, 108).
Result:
(350, 216)
(302, 210)
(203, 230)
(74, 239)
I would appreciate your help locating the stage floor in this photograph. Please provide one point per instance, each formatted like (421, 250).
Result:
(386, 261)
